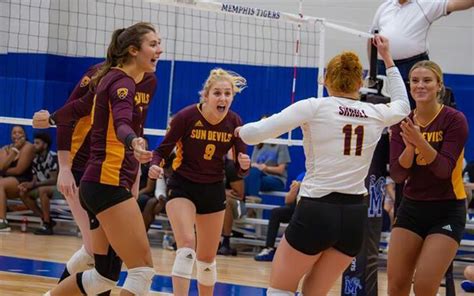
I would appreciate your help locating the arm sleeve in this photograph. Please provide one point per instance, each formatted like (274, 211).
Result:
(82, 87)
(375, 20)
(433, 10)
(78, 105)
(174, 134)
(68, 115)
(399, 107)
(454, 140)
(121, 94)
(277, 124)
(239, 147)
(398, 173)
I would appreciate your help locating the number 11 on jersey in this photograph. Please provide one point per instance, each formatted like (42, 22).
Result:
(347, 131)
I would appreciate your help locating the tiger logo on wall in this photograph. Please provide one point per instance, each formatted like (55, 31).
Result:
(122, 93)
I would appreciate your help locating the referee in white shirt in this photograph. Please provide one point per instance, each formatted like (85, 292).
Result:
(406, 24)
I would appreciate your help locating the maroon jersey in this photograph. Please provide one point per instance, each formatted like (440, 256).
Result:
(74, 127)
(200, 146)
(74, 119)
(442, 179)
(119, 111)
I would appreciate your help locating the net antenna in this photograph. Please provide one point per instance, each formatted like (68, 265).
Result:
(295, 64)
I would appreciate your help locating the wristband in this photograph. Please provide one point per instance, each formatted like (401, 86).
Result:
(128, 141)
(51, 119)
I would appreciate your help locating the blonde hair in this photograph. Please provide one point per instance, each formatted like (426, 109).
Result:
(218, 74)
(344, 72)
(436, 70)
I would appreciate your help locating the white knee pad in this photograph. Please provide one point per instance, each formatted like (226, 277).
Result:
(94, 283)
(277, 292)
(47, 293)
(80, 261)
(139, 280)
(206, 273)
(183, 263)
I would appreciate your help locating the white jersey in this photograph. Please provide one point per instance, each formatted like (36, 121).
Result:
(339, 136)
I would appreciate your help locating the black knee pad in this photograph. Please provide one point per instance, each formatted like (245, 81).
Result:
(109, 265)
(79, 283)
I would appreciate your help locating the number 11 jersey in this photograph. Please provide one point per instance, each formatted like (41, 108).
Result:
(339, 136)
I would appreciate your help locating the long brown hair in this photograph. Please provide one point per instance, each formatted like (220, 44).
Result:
(117, 52)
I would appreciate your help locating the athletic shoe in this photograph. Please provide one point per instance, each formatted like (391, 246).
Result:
(4, 226)
(226, 251)
(467, 286)
(46, 229)
(266, 254)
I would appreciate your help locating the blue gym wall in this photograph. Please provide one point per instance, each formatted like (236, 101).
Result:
(30, 82)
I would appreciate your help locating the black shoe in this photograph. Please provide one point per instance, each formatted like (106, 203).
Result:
(46, 229)
(226, 251)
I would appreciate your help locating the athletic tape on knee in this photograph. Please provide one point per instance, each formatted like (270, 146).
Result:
(277, 292)
(206, 273)
(94, 283)
(139, 280)
(183, 263)
(80, 261)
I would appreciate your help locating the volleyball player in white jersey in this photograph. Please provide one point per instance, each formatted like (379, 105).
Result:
(339, 138)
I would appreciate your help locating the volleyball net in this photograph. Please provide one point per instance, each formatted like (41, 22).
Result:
(43, 44)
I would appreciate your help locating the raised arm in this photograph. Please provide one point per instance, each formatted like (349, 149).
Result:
(458, 5)
(277, 124)
(399, 107)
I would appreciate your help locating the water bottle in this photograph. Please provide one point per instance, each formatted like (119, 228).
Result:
(167, 241)
(24, 224)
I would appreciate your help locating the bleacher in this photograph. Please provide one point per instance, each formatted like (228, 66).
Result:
(252, 230)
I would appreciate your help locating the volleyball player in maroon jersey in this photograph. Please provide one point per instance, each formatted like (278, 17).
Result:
(73, 126)
(73, 122)
(202, 134)
(427, 151)
(115, 152)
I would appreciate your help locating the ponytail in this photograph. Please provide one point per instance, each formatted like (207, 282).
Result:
(117, 52)
(111, 60)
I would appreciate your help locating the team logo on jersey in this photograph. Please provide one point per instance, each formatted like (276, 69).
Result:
(199, 124)
(85, 81)
(351, 285)
(122, 93)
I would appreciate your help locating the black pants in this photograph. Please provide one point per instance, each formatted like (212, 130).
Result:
(278, 215)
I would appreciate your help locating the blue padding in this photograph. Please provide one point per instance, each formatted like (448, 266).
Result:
(29, 82)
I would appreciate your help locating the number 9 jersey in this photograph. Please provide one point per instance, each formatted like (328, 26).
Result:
(200, 145)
